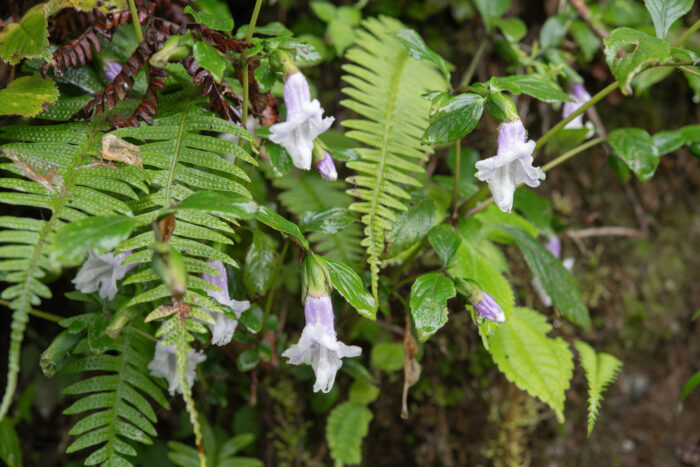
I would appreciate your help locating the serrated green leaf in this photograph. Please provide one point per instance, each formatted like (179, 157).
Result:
(210, 59)
(429, 295)
(28, 96)
(456, 119)
(27, 39)
(347, 426)
(540, 365)
(665, 12)
(513, 28)
(636, 148)
(348, 283)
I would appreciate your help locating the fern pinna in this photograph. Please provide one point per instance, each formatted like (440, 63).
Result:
(57, 170)
(386, 85)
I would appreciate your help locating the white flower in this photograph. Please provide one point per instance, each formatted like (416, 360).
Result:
(102, 272)
(511, 165)
(304, 121)
(222, 331)
(164, 365)
(318, 345)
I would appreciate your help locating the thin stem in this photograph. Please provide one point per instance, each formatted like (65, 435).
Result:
(455, 187)
(686, 35)
(135, 20)
(469, 74)
(271, 293)
(244, 60)
(569, 154)
(37, 313)
(593, 101)
(689, 70)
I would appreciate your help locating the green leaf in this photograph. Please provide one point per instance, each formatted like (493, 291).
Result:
(324, 10)
(387, 356)
(553, 31)
(557, 281)
(259, 264)
(419, 50)
(279, 159)
(347, 426)
(210, 59)
(538, 86)
(668, 141)
(491, 11)
(270, 218)
(28, 96)
(587, 40)
(27, 39)
(10, 451)
(97, 233)
(601, 370)
(213, 13)
(363, 392)
(455, 120)
(411, 226)
(444, 241)
(636, 148)
(248, 360)
(647, 51)
(513, 28)
(264, 75)
(691, 384)
(429, 295)
(346, 281)
(329, 221)
(342, 35)
(534, 207)
(540, 365)
(665, 12)
(217, 203)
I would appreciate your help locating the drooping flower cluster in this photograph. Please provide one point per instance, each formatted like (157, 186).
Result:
(319, 345)
(222, 331)
(303, 124)
(100, 273)
(164, 365)
(511, 166)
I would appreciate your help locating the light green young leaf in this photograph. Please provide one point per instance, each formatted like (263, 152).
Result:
(429, 295)
(455, 120)
(636, 148)
(347, 426)
(648, 51)
(324, 10)
(213, 14)
(387, 356)
(210, 59)
(540, 365)
(601, 370)
(419, 50)
(363, 392)
(346, 281)
(28, 96)
(665, 12)
(27, 39)
(513, 28)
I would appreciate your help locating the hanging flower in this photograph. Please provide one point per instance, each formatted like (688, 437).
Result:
(164, 365)
(511, 165)
(222, 331)
(303, 124)
(326, 167)
(101, 272)
(487, 307)
(319, 345)
(580, 96)
(111, 69)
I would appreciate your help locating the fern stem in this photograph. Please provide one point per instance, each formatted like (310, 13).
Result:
(469, 74)
(271, 293)
(458, 170)
(37, 313)
(135, 21)
(244, 59)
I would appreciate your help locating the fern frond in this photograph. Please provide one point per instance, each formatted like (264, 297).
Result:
(601, 370)
(64, 185)
(120, 412)
(385, 89)
(309, 192)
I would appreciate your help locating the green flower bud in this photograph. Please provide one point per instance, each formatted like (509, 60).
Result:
(315, 279)
(170, 267)
(501, 107)
(281, 62)
(58, 353)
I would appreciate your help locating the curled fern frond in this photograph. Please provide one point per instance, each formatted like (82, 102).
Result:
(386, 85)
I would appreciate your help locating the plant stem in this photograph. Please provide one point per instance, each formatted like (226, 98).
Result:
(686, 35)
(458, 169)
(135, 20)
(37, 313)
(472, 65)
(271, 293)
(569, 154)
(244, 60)
(591, 102)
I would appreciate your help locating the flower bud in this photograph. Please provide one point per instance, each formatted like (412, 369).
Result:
(58, 353)
(315, 280)
(482, 302)
(501, 107)
(170, 267)
(111, 69)
(324, 163)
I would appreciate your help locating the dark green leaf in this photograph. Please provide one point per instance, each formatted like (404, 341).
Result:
(248, 360)
(419, 50)
(445, 242)
(534, 206)
(648, 51)
(636, 148)
(280, 160)
(322, 402)
(387, 356)
(252, 318)
(586, 39)
(668, 141)
(691, 384)
(557, 281)
(540, 87)
(665, 12)
(259, 264)
(455, 120)
(411, 226)
(10, 451)
(28, 96)
(99, 234)
(429, 295)
(329, 221)
(346, 281)
(491, 11)
(553, 31)
(210, 59)
(218, 203)
(270, 218)
(213, 13)
(513, 28)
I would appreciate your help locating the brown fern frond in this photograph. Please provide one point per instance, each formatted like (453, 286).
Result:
(149, 104)
(215, 91)
(219, 41)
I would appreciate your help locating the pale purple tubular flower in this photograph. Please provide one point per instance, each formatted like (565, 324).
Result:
(164, 365)
(224, 327)
(489, 309)
(326, 167)
(111, 69)
(580, 97)
(101, 272)
(511, 166)
(553, 244)
(318, 345)
(303, 124)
